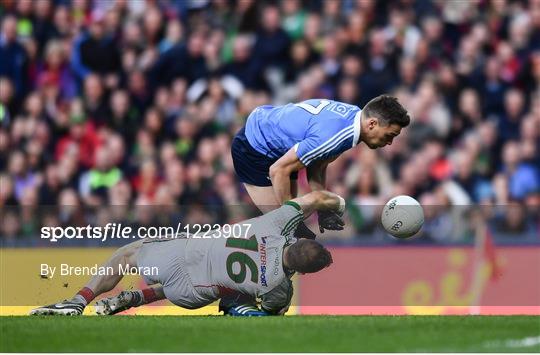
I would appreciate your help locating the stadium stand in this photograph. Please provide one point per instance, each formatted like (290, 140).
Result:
(127, 108)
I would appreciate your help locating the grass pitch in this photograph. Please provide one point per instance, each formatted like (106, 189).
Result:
(271, 334)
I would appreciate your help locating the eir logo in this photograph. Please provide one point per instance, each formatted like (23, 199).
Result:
(396, 226)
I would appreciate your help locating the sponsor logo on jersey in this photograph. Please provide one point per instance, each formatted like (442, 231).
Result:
(276, 263)
(262, 253)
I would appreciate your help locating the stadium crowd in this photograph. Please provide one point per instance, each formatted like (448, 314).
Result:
(110, 103)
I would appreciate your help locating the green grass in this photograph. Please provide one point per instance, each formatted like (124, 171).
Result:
(270, 334)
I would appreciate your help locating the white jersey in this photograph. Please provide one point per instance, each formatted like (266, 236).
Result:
(251, 265)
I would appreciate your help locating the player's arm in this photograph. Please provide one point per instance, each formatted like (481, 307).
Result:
(278, 300)
(280, 174)
(316, 175)
(320, 201)
(293, 212)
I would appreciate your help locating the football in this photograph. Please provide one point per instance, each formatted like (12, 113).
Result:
(402, 216)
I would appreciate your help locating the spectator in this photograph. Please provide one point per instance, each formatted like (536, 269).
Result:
(522, 177)
(514, 224)
(181, 60)
(243, 65)
(94, 184)
(23, 179)
(56, 72)
(514, 105)
(272, 42)
(96, 51)
(13, 57)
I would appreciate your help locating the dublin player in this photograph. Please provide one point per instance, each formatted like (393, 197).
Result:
(279, 141)
(194, 272)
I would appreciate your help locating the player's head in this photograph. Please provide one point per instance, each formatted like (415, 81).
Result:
(307, 256)
(382, 120)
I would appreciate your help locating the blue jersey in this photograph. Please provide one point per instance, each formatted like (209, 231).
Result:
(317, 129)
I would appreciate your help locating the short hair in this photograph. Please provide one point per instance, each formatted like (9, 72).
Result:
(387, 110)
(308, 256)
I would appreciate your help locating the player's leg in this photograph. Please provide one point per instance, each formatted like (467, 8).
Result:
(228, 302)
(98, 284)
(263, 197)
(129, 299)
(252, 169)
(122, 258)
(171, 281)
(265, 200)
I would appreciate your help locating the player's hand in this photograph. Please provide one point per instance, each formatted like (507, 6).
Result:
(247, 310)
(302, 231)
(330, 220)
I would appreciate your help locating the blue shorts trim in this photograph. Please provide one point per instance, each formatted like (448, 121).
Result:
(250, 166)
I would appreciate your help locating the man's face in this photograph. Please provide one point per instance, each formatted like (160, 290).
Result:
(97, 30)
(9, 29)
(377, 135)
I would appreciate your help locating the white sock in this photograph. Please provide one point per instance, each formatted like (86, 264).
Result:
(79, 299)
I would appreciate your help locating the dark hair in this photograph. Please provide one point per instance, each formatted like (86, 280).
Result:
(307, 256)
(388, 110)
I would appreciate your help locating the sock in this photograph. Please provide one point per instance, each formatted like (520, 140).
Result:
(84, 296)
(140, 297)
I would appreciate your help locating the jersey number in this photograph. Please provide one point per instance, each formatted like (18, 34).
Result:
(242, 259)
(314, 110)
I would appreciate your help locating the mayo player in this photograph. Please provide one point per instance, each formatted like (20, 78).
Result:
(194, 272)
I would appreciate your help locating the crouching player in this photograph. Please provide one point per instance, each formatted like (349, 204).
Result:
(194, 272)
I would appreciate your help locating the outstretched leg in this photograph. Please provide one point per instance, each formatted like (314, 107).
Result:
(98, 284)
(123, 257)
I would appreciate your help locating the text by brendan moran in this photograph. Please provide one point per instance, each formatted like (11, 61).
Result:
(50, 271)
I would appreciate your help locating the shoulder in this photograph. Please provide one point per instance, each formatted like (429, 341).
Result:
(331, 125)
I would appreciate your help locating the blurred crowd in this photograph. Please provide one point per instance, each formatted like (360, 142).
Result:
(134, 102)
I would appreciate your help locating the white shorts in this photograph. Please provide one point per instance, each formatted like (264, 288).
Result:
(168, 256)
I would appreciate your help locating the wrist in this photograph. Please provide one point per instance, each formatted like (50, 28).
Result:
(341, 207)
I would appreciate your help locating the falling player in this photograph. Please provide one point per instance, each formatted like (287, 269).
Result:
(194, 272)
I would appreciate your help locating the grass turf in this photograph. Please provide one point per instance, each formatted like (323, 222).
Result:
(271, 334)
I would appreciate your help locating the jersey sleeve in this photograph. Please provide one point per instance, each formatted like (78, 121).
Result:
(324, 139)
(291, 216)
(284, 220)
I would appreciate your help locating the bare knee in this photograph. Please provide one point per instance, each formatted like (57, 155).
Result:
(127, 254)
